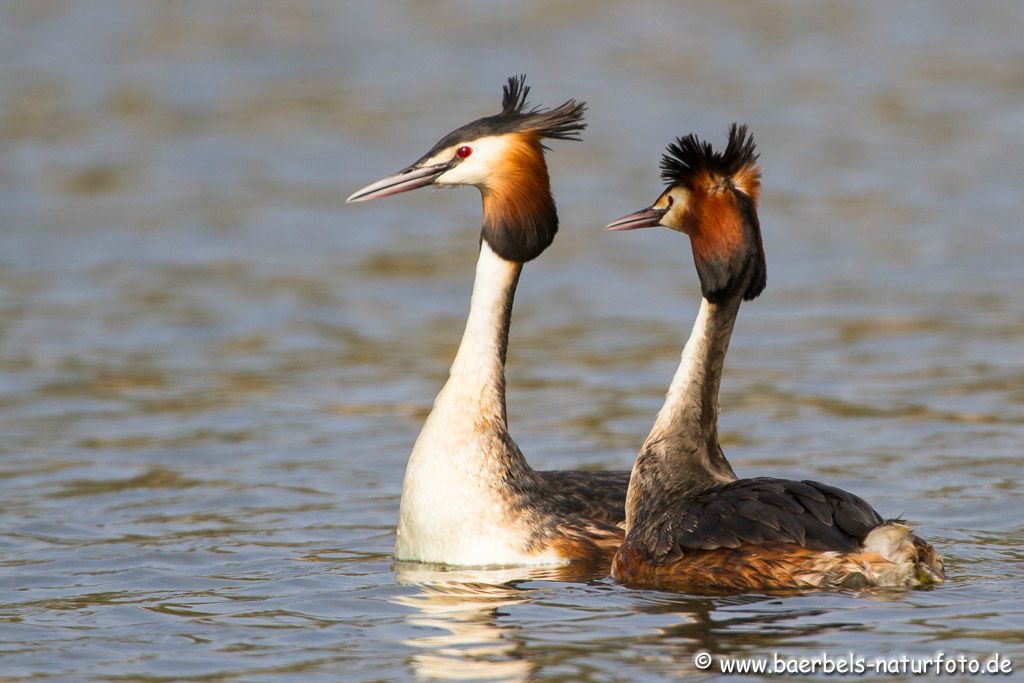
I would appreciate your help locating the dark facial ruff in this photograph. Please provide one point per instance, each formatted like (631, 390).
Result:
(520, 233)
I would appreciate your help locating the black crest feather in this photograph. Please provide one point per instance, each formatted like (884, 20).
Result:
(564, 122)
(689, 159)
(514, 95)
(689, 156)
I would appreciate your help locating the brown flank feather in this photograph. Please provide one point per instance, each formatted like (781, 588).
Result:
(592, 543)
(780, 566)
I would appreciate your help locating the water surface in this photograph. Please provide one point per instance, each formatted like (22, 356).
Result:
(212, 370)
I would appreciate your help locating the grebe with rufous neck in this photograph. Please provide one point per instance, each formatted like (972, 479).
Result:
(690, 523)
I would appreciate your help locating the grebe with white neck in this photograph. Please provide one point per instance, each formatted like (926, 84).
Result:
(469, 497)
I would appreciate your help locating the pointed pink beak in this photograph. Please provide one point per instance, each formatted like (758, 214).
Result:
(644, 218)
(403, 181)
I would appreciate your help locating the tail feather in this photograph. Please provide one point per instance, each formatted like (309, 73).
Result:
(911, 561)
(929, 565)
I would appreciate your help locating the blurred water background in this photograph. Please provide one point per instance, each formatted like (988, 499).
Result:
(212, 370)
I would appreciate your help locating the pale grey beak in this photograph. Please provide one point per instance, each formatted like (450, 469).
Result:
(403, 181)
(644, 218)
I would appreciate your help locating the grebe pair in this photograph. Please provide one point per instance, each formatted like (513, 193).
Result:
(681, 519)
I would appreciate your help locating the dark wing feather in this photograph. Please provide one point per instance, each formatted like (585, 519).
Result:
(746, 528)
(767, 510)
(593, 495)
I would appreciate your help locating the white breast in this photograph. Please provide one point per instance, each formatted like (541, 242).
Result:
(455, 508)
(452, 512)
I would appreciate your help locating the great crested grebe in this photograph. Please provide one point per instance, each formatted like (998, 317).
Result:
(690, 524)
(469, 497)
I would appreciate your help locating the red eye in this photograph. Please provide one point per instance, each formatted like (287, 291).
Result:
(463, 152)
(670, 200)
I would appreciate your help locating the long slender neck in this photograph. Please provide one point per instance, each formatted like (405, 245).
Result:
(682, 452)
(455, 493)
(476, 383)
(691, 406)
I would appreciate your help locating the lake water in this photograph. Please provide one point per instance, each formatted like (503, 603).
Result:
(212, 370)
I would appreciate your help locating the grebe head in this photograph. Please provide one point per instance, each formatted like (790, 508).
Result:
(503, 156)
(712, 197)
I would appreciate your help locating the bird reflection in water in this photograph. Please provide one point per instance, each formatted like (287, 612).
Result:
(466, 607)
(472, 634)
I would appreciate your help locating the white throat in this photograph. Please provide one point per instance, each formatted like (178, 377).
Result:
(682, 449)
(453, 508)
(479, 365)
(683, 409)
